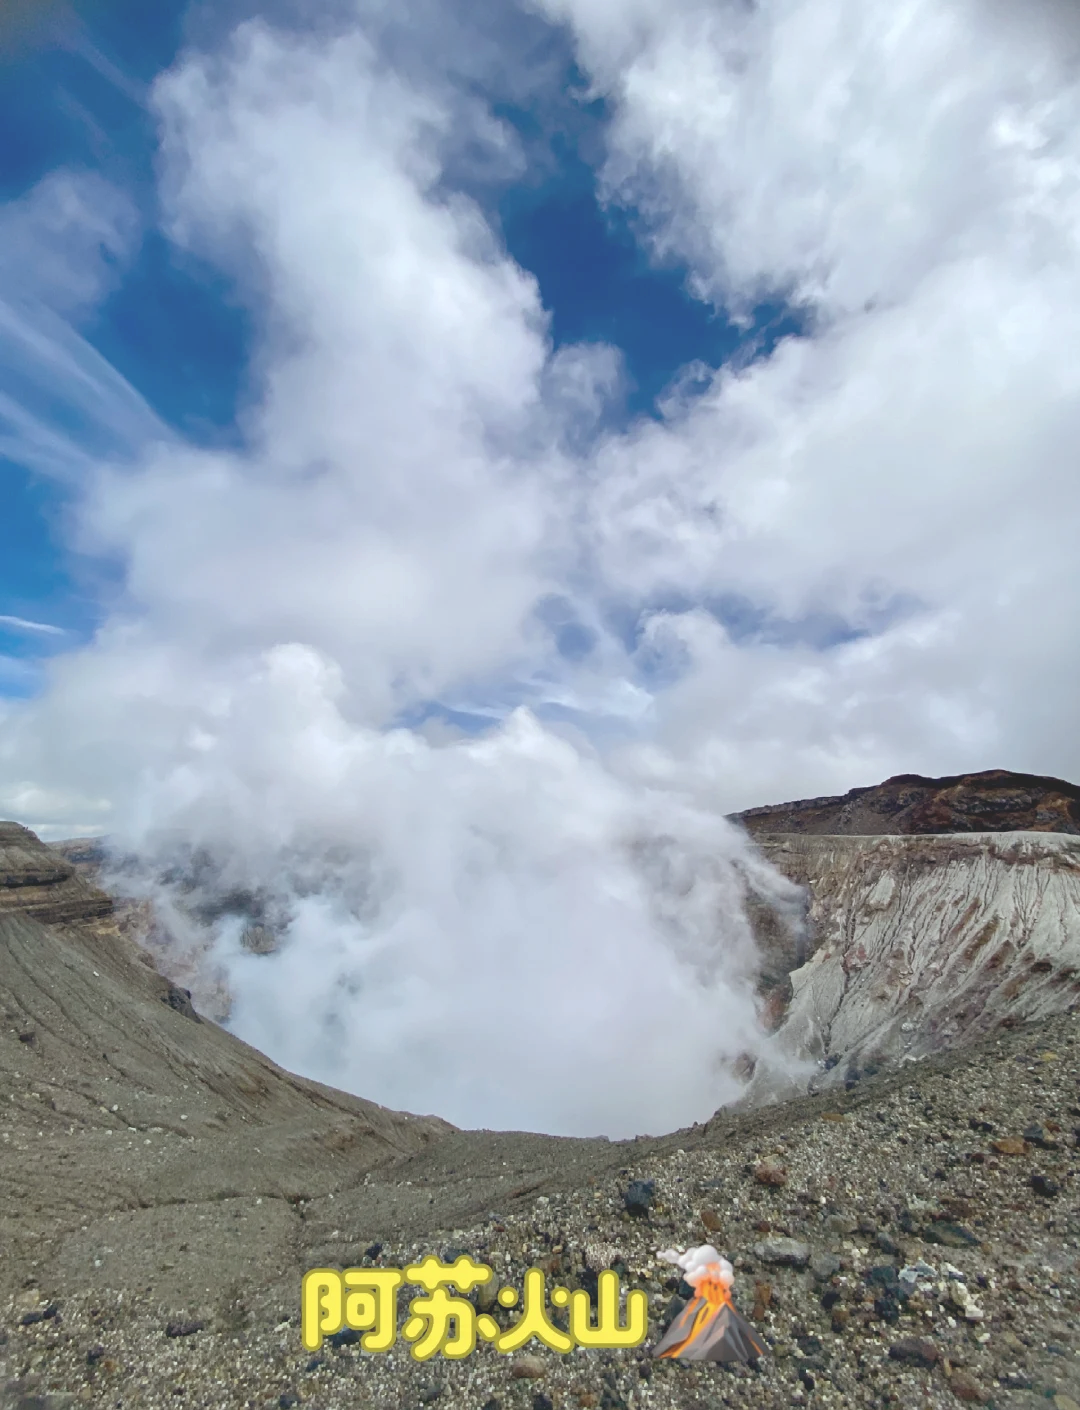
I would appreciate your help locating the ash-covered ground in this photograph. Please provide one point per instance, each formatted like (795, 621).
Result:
(914, 1241)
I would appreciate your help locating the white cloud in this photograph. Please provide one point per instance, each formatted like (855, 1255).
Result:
(63, 247)
(425, 507)
(21, 624)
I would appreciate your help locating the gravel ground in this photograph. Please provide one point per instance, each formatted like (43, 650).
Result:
(913, 1242)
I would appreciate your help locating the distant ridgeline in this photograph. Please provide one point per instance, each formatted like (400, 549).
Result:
(993, 801)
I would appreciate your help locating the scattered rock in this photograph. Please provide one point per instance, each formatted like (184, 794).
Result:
(348, 1336)
(528, 1368)
(841, 1224)
(824, 1265)
(639, 1198)
(40, 1314)
(672, 1310)
(1009, 1145)
(943, 1231)
(770, 1173)
(711, 1220)
(789, 1253)
(965, 1387)
(915, 1351)
(183, 1329)
(1040, 1136)
(1045, 1186)
(180, 1001)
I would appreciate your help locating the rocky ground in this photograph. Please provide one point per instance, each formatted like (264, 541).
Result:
(911, 1242)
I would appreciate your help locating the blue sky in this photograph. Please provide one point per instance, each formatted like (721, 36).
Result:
(72, 94)
(350, 423)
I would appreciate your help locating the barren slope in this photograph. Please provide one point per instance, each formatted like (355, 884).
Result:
(116, 1096)
(915, 944)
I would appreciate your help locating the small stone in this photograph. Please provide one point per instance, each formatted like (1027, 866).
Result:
(887, 1245)
(887, 1307)
(711, 1220)
(27, 1036)
(528, 1368)
(841, 1316)
(1065, 1402)
(487, 1295)
(1016, 1380)
(41, 1314)
(951, 1235)
(183, 1329)
(1043, 1185)
(672, 1310)
(1039, 1136)
(914, 1271)
(841, 1224)
(287, 1401)
(1009, 1145)
(762, 1298)
(965, 1387)
(348, 1336)
(639, 1197)
(430, 1394)
(542, 1401)
(824, 1265)
(915, 1351)
(789, 1253)
(770, 1173)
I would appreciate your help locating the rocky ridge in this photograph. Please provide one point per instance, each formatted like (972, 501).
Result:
(995, 800)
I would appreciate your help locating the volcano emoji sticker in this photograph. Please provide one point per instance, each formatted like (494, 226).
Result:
(708, 1328)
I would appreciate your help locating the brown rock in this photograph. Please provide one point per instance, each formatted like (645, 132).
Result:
(1010, 1145)
(965, 1387)
(762, 1298)
(770, 1173)
(711, 1220)
(528, 1368)
(915, 1351)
